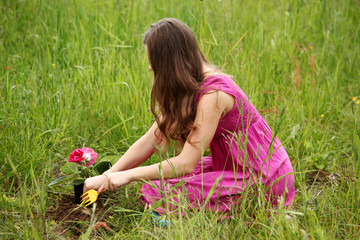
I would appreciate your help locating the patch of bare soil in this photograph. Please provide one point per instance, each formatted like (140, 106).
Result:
(323, 177)
(72, 220)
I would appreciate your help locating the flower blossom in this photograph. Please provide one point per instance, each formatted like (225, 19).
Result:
(85, 154)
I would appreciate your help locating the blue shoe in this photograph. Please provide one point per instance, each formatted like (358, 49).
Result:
(159, 221)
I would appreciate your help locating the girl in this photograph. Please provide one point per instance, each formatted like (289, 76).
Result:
(198, 106)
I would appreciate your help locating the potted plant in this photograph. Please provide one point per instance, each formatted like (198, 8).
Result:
(81, 165)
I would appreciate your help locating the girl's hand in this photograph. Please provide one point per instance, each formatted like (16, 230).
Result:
(94, 182)
(114, 181)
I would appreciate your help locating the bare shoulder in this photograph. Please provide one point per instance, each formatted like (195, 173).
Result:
(216, 101)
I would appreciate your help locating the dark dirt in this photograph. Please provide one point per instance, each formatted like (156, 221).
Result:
(322, 177)
(70, 219)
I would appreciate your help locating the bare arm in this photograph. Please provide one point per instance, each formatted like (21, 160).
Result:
(141, 150)
(209, 111)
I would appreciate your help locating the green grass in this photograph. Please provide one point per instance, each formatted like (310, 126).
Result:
(74, 73)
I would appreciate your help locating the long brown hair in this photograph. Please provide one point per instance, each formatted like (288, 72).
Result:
(177, 63)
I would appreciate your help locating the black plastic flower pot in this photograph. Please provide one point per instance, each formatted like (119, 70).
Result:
(78, 191)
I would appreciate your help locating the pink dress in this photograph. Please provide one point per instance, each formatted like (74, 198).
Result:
(240, 157)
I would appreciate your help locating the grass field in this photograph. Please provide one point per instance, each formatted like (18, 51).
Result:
(73, 73)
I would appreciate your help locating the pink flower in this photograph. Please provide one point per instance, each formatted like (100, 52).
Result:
(84, 154)
(90, 156)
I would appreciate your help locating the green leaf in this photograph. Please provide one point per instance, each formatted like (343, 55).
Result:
(102, 166)
(69, 168)
(78, 181)
(112, 159)
(64, 179)
(57, 181)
